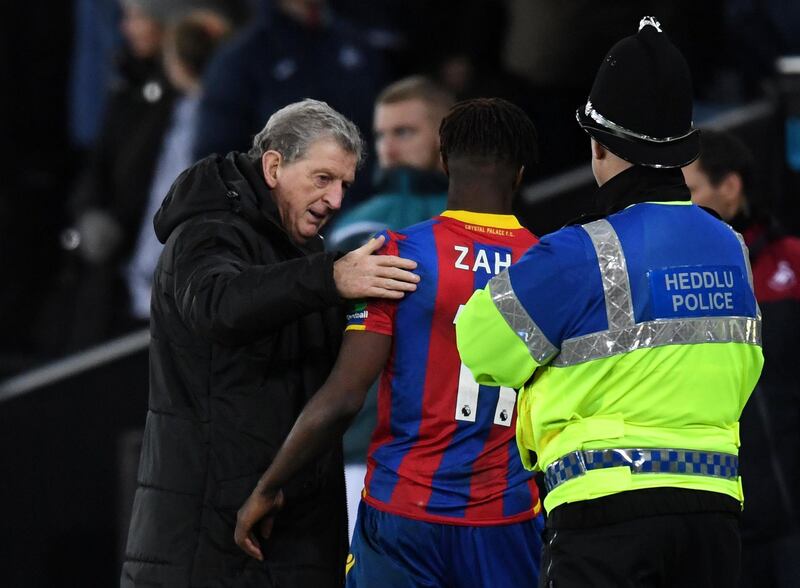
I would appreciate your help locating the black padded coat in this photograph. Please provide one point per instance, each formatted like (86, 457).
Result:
(245, 328)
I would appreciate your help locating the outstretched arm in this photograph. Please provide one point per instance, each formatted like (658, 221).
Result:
(321, 424)
(223, 295)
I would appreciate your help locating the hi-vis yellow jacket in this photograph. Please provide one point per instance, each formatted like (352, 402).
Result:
(635, 341)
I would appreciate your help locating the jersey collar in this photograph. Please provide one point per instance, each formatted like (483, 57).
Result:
(497, 221)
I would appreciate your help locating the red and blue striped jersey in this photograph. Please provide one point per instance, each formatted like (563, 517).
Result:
(444, 448)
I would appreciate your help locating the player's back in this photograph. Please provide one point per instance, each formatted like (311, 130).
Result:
(444, 449)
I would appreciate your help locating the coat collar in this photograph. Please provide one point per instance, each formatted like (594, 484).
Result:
(635, 185)
(639, 184)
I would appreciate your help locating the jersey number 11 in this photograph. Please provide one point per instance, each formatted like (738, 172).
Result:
(467, 399)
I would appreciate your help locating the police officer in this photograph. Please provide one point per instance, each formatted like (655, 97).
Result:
(635, 340)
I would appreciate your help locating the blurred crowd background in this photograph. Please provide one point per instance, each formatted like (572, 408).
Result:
(105, 102)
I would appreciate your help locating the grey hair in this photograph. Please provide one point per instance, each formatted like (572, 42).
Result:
(291, 130)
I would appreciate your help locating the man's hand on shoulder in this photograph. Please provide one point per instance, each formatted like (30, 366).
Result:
(360, 274)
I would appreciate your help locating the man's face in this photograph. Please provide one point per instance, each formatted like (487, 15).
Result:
(719, 198)
(406, 134)
(310, 190)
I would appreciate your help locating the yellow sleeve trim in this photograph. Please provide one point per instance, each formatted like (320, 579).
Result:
(355, 328)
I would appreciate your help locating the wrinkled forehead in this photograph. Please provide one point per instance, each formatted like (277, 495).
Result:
(328, 154)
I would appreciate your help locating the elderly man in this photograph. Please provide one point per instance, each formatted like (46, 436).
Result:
(246, 325)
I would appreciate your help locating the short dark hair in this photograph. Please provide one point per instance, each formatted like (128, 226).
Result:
(489, 128)
(722, 153)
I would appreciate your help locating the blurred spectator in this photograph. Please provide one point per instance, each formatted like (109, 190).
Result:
(410, 185)
(188, 48)
(298, 49)
(722, 180)
(112, 193)
(111, 196)
(96, 41)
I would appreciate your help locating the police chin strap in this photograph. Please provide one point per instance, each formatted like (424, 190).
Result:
(650, 20)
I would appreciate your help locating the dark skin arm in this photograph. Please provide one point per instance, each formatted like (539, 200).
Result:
(321, 424)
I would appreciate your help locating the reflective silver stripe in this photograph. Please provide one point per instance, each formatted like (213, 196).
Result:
(590, 111)
(658, 333)
(623, 334)
(519, 320)
(614, 272)
(746, 254)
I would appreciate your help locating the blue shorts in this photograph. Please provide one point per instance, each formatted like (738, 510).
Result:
(390, 551)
